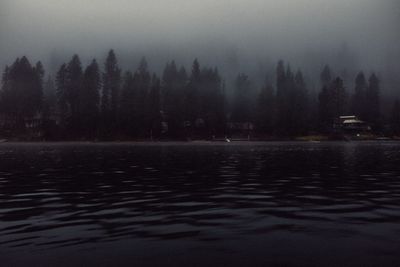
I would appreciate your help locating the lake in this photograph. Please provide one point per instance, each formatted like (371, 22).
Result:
(200, 204)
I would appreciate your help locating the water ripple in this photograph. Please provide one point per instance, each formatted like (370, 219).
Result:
(54, 196)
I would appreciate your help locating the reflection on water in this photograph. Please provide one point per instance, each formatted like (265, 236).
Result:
(282, 204)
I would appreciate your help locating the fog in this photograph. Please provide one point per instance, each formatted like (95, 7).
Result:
(235, 35)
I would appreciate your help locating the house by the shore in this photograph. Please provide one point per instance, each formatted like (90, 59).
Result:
(29, 127)
(351, 125)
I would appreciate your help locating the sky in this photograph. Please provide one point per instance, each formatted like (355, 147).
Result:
(237, 35)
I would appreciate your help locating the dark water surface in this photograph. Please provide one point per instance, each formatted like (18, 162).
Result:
(170, 204)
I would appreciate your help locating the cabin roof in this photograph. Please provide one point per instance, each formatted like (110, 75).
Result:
(352, 121)
(348, 117)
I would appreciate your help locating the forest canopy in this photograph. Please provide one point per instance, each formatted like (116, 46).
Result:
(102, 101)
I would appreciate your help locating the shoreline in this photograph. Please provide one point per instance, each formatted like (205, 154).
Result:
(316, 138)
(192, 142)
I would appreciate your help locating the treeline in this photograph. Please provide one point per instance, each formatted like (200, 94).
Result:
(105, 103)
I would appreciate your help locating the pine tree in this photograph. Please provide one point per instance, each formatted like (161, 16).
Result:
(73, 87)
(154, 107)
(192, 95)
(288, 123)
(281, 98)
(395, 118)
(326, 76)
(49, 97)
(5, 76)
(210, 99)
(110, 94)
(49, 94)
(195, 77)
(39, 72)
(127, 106)
(242, 101)
(300, 107)
(22, 91)
(173, 88)
(338, 98)
(142, 84)
(266, 108)
(372, 95)
(358, 105)
(90, 97)
(49, 110)
(63, 109)
(6, 92)
(325, 108)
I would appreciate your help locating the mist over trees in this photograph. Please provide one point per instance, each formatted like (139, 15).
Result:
(22, 91)
(101, 101)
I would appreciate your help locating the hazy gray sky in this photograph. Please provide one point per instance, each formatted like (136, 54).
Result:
(251, 31)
